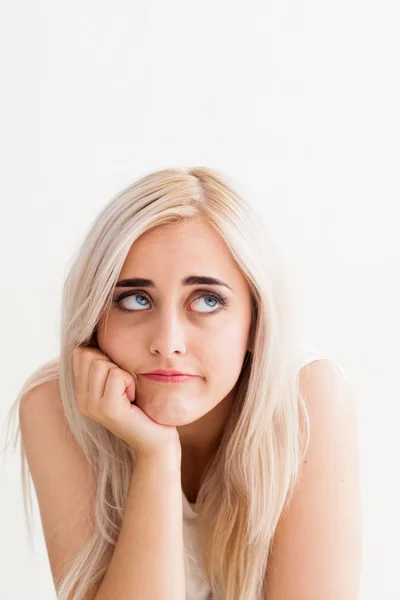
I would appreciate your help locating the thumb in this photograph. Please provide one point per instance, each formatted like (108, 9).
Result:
(130, 392)
(131, 388)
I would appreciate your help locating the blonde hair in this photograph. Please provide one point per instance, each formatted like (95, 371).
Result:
(251, 479)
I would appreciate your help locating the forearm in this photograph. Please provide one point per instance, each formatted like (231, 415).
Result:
(148, 561)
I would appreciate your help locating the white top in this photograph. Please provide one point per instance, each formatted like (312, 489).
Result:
(197, 587)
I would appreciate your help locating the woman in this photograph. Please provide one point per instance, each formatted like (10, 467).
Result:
(177, 273)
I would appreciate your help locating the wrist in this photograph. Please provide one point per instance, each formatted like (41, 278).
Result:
(167, 459)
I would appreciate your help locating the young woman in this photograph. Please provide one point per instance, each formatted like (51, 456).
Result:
(184, 444)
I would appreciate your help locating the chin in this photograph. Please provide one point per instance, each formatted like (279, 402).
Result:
(165, 416)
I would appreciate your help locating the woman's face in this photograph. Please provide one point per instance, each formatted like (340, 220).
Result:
(184, 326)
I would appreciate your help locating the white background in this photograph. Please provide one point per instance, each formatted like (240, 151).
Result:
(299, 101)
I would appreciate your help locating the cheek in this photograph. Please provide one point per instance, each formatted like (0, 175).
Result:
(225, 355)
(233, 339)
(116, 342)
(102, 339)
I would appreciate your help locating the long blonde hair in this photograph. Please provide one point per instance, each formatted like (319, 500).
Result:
(251, 479)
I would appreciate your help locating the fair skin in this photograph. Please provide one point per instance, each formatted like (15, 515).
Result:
(172, 325)
(317, 548)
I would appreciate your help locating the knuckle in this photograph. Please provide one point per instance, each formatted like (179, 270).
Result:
(77, 351)
(98, 362)
(114, 370)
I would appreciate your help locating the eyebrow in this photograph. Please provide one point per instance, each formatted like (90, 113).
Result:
(191, 280)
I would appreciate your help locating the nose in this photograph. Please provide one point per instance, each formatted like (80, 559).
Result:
(168, 334)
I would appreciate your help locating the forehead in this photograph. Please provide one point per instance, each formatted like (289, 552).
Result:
(180, 249)
(177, 237)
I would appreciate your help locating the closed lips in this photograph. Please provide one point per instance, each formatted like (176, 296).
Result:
(168, 373)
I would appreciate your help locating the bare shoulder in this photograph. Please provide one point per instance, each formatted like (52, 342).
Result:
(316, 551)
(41, 412)
(63, 479)
(44, 399)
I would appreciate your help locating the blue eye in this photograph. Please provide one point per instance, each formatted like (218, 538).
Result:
(119, 300)
(143, 298)
(208, 297)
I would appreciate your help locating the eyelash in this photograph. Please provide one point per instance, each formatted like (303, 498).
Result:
(223, 301)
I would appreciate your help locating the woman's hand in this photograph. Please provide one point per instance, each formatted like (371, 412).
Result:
(106, 393)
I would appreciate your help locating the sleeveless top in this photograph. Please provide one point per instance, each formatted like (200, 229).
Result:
(197, 586)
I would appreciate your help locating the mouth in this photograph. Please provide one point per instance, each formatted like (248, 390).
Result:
(168, 378)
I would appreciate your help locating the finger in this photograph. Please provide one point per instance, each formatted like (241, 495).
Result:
(112, 399)
(89, 355)
(97, 377)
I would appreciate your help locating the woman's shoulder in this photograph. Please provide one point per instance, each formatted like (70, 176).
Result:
(307, 354)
